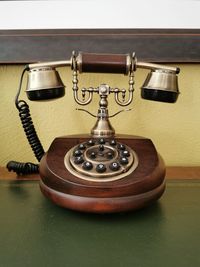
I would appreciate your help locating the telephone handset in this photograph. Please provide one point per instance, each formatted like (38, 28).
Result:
(100, 172)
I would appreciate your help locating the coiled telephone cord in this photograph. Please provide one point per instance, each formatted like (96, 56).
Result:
(31, 134)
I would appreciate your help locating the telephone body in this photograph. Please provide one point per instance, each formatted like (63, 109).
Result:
(102, 172)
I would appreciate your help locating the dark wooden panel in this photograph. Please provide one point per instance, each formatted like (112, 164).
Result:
(155, 45)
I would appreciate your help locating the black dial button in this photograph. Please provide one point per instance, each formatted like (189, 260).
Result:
(81, 146)
(78, 160)
(77, 152)
(91, 142)
(121, 147)
(123, 160)
(113, 142)
(87, 165)
(101, 168)
(93, 155)
(101, 148)
(125, 153)
(114, 166)
(109, 155)
(102, 141)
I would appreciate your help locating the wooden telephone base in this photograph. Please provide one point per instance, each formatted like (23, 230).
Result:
(136, 190)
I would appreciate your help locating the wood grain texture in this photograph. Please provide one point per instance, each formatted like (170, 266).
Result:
(102, 205)
(172, 173)
(154, 45)
(148, 175)
(178, 172)
(136, 190)
(104, 63)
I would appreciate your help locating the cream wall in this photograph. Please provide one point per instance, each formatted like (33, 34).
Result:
(174, 128)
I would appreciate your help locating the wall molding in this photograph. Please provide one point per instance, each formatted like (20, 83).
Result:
(154, 45)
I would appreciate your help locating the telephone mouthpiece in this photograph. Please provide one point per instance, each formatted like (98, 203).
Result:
(44, 84)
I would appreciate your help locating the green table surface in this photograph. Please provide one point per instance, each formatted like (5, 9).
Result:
(35, 232)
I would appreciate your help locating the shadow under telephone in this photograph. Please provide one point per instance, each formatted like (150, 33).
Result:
(98, 172)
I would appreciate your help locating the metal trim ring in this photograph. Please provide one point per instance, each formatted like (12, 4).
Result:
(86, 175)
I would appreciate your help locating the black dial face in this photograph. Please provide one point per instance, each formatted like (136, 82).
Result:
(87, 165)
(102, 141)
(101, 153)
(121, 147)
(78, 160)
(114, 166)
(125, 153)
(113, 142)
(123, 160)
(101, 168)
(101, 159)
(90, 142)
(82, 146)
(77, 152)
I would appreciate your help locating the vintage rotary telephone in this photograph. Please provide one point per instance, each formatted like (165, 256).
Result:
(101, 171)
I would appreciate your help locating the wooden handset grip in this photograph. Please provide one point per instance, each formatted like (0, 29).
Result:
(103, 63)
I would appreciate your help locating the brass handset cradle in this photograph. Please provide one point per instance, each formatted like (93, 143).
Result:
(102, 171)
(103, 126)
(109, 116)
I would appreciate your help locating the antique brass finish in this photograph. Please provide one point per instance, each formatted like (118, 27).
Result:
(161, 85)
(44, 83)
(108, 175)
(103, 126)
(53, 64)
(44, 78)
(161, 80)
(79, 61)
(131, 63)
(103, 173)
(146, 65)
